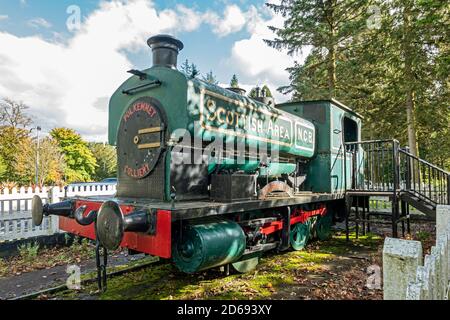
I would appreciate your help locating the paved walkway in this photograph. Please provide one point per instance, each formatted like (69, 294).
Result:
(30, 282)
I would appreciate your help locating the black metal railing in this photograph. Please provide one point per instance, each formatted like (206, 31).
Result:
(374, 165)
(381, 165)
(423, 179)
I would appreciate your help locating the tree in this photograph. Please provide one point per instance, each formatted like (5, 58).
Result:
(13, 124)
(395, 73)
(3, 168)
(417, 40)
(194, 71)
(80, 162)
(266, 91)
(210, 78)
(190, 69)
(51, 165)
(327, 26)
(10, 141)
(254, 93)
(258, 92)
(186, 68)
(12, 114)
(234, 83)
(106, 157)
(400, 67)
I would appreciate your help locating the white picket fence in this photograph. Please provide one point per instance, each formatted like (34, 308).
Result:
(15, 208)
(408, 276)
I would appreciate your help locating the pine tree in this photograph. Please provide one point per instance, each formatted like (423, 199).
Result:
(326, 25)
(186, 68)
(189, 69)
(210, 78)
(399, 63)
(194, 71)
(395, 73)
(234, 83)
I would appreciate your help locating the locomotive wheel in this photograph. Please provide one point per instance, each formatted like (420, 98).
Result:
(323, 227)
(300, 235)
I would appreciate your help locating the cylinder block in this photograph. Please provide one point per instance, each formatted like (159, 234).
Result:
(203, 246)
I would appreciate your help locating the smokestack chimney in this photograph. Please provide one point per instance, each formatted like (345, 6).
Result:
(165, 50)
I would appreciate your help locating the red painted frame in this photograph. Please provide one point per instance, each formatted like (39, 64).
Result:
(299, 216)
(159, 244)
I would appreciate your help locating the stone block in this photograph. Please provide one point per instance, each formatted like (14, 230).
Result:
(400, 261)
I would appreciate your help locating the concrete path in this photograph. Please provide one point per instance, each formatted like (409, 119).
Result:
(30, 282)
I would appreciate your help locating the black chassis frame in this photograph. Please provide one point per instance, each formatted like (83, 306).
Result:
(188, 210)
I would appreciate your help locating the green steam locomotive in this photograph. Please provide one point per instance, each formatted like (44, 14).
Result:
(209, 177)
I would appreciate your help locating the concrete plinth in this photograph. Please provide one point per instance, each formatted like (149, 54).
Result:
(400, 261)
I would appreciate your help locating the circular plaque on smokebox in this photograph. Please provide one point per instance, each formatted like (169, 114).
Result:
(140, 137)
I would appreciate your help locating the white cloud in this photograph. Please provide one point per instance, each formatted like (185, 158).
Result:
(233, 21)
(190, 18)
(69, 83)
(3, 17)
(251, 58)
(39, 22)
(254, 60)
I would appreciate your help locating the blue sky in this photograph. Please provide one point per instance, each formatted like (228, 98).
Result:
(225, 36)
(20, 13)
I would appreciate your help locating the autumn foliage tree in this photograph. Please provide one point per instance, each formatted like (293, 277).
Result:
(13, 114)
(63, 157)
(13, 130)
(51, 165)
(2, 168)
(80, 162)
(106, 157)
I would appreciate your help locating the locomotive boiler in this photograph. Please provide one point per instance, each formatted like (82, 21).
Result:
(209, 177)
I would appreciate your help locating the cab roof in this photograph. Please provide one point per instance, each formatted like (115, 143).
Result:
(333, 101)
